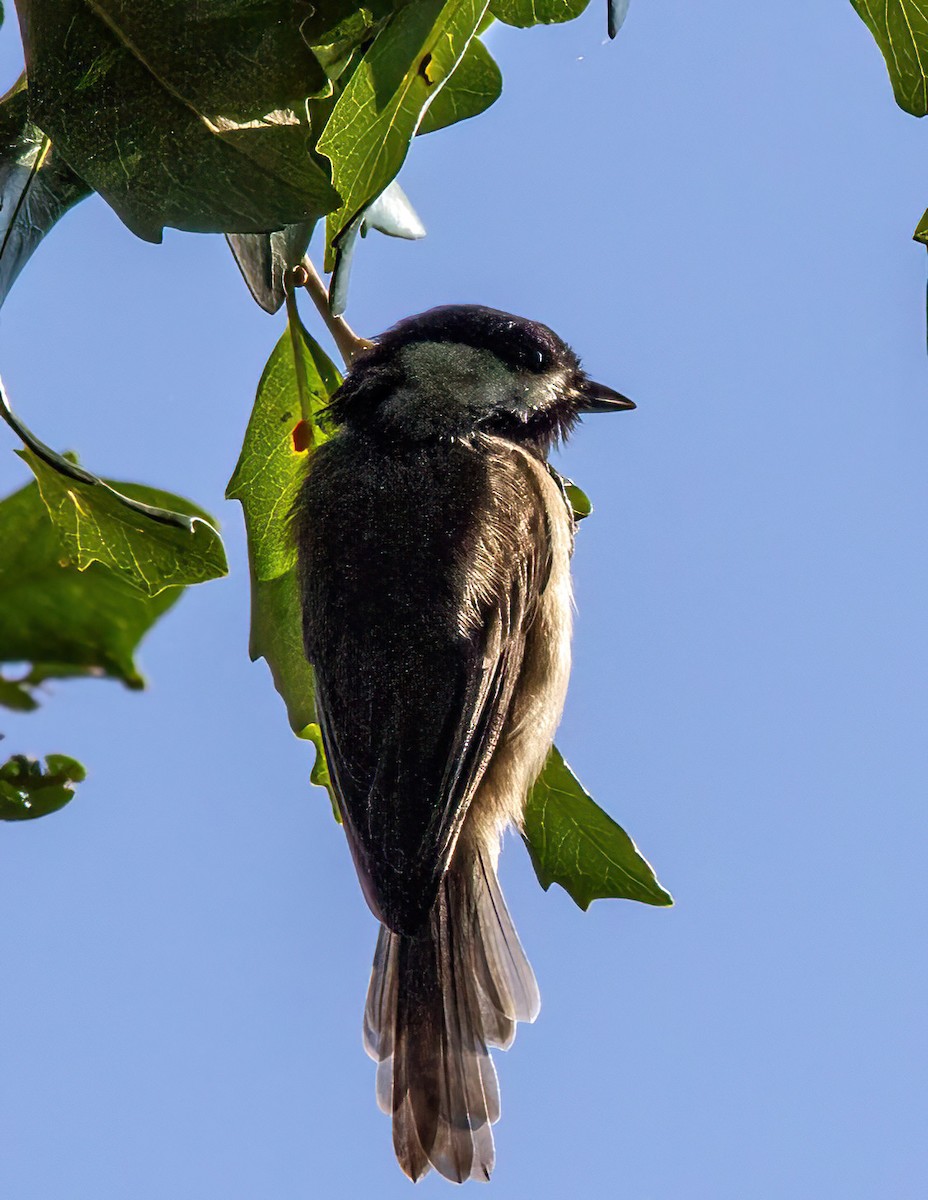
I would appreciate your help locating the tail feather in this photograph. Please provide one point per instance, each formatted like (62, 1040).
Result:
(436, 1002)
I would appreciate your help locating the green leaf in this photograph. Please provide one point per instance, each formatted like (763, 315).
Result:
(900, 28)
(277, 637)
(150, 547)
(475, 84)
(572, 842)
(368, 133)
(36, 187)
(295, 386)
(27, 792)
(319, 775)
(921, 233)
(159, 127)
(523, 13)
(578, 499)
(237, 58)
(64, 621)
(16, 694)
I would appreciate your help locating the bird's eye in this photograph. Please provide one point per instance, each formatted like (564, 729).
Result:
(539, 359)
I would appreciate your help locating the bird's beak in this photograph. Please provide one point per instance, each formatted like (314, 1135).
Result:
(596, 397)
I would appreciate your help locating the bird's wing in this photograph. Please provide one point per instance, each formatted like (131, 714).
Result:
(412, 712)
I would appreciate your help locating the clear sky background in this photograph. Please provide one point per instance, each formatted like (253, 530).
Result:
(715, 210)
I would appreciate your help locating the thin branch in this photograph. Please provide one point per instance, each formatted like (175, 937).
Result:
(349, 344)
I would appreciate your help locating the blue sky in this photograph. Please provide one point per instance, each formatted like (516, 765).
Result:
(715, 210)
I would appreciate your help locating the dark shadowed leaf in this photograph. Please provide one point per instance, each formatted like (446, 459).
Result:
(574, 843)
(523, 13)
(900, 28)
(617, 11)
(368, 133)
(16, 694)
(295, 386)
(64, 621)
(120, 117)
(474, 86)
(27, 791)
(36, 187)
(238, 58)
(264, 259)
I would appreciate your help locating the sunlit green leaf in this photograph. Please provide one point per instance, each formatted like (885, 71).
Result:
(574, 843)
(277, 637)
(900, 28)
(474, 86)
(27, 791)
(295, 386)
(150, 547)
(579, 501)
(64, 621)
(36, 187)
(319, 775)
(524, 13)
(921, 233)
(368, 133)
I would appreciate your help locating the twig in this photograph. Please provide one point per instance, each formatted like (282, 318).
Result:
(349, 344)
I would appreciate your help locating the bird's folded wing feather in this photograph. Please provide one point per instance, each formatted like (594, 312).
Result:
(411, 723)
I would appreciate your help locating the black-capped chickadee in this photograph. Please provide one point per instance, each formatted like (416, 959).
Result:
(434, 549)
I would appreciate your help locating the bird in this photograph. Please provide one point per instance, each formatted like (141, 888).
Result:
(433, 544)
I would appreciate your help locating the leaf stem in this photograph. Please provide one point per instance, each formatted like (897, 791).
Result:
(349, 344)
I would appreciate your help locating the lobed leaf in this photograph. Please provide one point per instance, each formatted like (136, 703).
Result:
(295, 386)
(319, 775)
(163, 142)
(900, 28)
(150, 547)
(64, 621)
(27, 791)
(375, 118)
(277, 637)
(37, 187)
(574, 843)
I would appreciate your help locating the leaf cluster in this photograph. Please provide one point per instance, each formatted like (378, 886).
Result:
(253, 118)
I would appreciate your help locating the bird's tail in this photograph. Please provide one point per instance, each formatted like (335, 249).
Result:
(436, 1002)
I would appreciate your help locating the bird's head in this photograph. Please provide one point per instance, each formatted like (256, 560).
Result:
(463, 369)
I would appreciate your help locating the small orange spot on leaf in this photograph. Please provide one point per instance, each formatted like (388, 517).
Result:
(302, 436)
